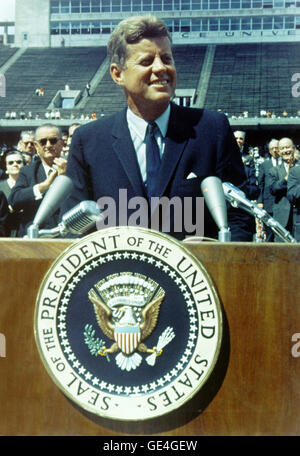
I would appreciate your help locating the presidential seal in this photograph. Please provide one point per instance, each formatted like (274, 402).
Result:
(128, 323)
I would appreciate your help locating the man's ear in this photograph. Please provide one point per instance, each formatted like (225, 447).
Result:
(116, 74)
(37, 147)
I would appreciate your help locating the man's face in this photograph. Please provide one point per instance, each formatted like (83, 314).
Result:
(286, 149)
(14, 163)
(273, 149)
(149, 76)
(71, 133)
(65, 140)
(28, 144)
(48, 144)
(239, 139)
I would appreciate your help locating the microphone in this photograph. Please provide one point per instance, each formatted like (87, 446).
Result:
(81, 218)
(77, 220)
(55, 195)
(237, 198)
(213, 193)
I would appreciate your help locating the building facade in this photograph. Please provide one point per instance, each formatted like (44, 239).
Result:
(90, 22)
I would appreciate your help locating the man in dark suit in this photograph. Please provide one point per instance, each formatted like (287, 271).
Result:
(111, 154)
(277, 180)
(35, 179)
(266, 199)
(293, 195)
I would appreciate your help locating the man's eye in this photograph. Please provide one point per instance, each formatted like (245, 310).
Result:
(167, 59)
(146, 62)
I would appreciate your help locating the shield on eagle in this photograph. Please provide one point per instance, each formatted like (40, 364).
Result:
(127, 337)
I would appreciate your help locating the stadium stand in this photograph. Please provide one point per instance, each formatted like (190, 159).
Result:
(188, 60)
(5, 54)
(254, 78)
(244, 78)
(51, 69)
(107, 98)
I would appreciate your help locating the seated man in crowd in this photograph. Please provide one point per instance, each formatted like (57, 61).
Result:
(35, 178)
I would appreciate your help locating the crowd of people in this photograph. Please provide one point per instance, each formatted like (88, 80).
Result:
(27, 171)
(53, 114)
(152, 148)
(273, 179)
(273, 183)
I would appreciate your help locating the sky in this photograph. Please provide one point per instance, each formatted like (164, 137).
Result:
(7, 10)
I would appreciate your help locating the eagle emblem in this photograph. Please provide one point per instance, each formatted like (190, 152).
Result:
(127, 307)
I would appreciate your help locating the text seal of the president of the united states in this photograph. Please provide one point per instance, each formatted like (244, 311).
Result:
(128, 323)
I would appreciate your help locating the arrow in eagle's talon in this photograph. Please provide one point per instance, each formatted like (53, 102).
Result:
(164, 339)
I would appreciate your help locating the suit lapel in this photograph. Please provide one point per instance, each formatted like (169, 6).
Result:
(124, 149)
(39, 174)
(175, 143)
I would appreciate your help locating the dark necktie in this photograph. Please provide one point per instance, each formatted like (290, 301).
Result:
(152, 159)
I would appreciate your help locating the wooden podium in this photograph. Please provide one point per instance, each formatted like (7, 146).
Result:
(257, 384)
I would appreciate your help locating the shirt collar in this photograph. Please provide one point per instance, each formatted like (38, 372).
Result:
(47, 168)
(139, 125)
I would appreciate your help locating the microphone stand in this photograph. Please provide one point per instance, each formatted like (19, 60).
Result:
(224, 234)
(46, 233)
(237, 198)
(77, 221)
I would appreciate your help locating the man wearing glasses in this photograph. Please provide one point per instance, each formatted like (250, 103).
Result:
(35, 179)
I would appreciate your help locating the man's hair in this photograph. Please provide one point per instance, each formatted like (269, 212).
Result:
(240, 132)
(131, 31)
(272, 140)
(49, 125)
(26, 133)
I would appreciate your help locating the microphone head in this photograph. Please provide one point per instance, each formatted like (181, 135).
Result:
(230, 189)
(55, 195)
(213, 193)
(81, 218)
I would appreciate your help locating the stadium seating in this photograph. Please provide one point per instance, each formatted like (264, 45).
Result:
(5, 54)
(254, 77)
(51, 69)
(244, 77)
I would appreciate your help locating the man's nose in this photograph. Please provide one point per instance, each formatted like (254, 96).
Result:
(158, 65)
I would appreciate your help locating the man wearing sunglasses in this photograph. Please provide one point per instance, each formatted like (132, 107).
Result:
(35, 179)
